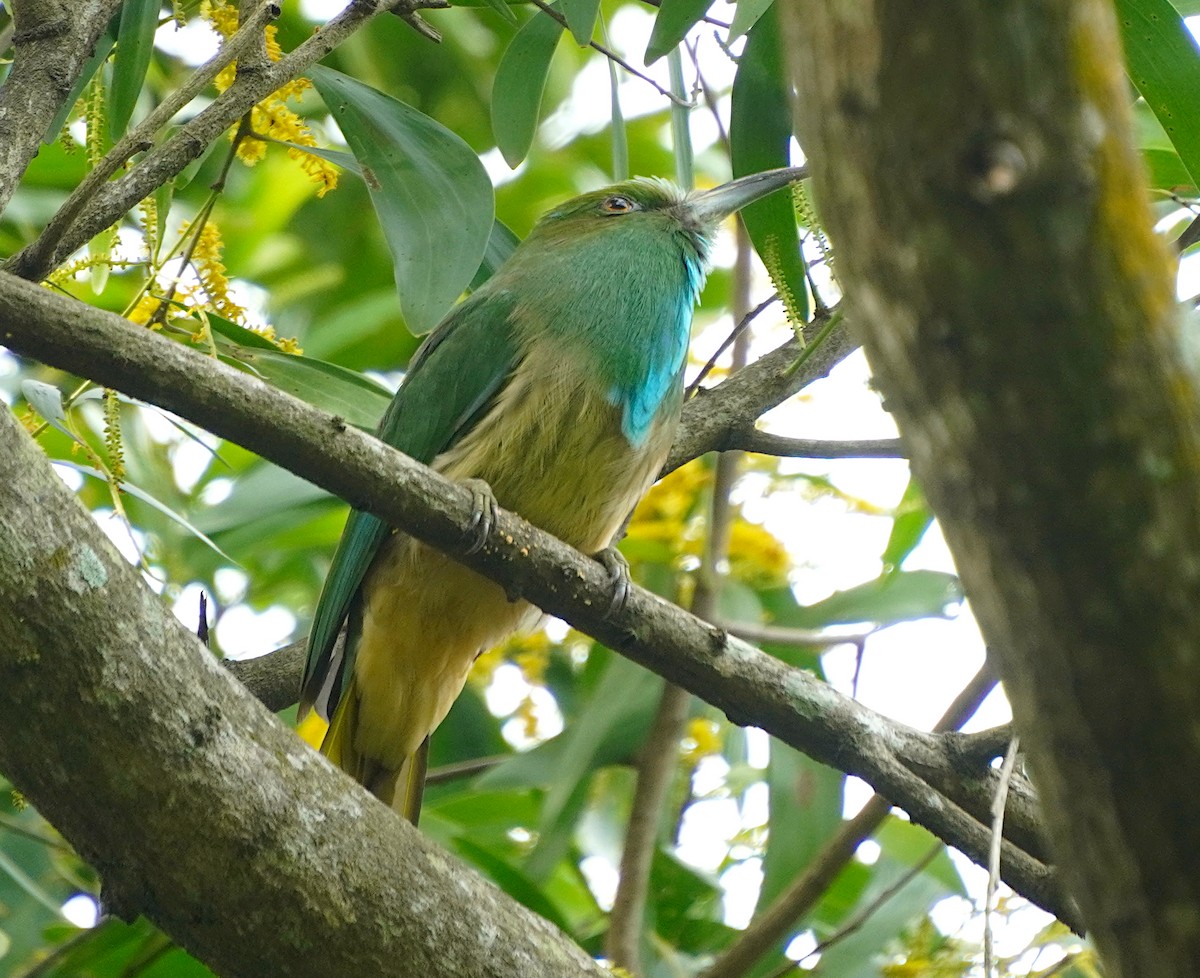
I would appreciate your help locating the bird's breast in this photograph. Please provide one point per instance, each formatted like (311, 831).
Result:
(552, 448)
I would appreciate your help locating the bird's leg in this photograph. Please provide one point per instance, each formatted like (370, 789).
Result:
(613, 561)
(484, 513)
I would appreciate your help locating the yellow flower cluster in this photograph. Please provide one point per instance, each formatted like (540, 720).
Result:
(207, 260)
(271, 117)
(668, 527)
(702, 738)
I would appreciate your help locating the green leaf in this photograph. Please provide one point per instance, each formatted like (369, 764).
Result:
(1167, 172)
(890, 598)
(502, 242)
(514, 882)
(1164, 63)
(432, 195)
(349, 395)
(806, 809)
(746, 16)
(913, 517)
(520, 81)
(675, 18)
(581, 18)
(501, 7)
(135, 46)
(620, 138)
(760, 134)
(132, 490)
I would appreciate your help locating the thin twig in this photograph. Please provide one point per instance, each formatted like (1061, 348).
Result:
(613, 56)
(464, 769)
(776, 635)
(998, 806)
(856, 922)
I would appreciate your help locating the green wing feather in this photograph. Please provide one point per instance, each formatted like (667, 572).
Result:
(450, 382)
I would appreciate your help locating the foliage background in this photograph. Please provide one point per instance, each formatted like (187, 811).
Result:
(549, 811)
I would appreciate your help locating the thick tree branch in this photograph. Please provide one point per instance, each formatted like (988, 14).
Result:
(1029, 350)
(52, 40)
(747, 684)
(122, 728)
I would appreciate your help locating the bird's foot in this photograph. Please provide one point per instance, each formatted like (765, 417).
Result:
(484, 513)
(617, 566)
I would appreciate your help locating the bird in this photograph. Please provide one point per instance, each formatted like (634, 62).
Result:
(553, 390)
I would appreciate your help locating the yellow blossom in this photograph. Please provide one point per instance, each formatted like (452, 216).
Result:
(271, 117)
(702, 738)
(756, 556)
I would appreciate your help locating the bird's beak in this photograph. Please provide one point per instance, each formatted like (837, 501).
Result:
(710, 207)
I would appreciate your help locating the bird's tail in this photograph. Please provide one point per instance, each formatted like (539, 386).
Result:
(401, 788)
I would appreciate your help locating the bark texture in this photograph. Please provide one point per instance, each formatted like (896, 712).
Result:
(52, 41)
(975, 167)
(200, 809)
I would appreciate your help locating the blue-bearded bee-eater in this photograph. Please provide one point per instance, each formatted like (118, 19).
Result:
(558, 383)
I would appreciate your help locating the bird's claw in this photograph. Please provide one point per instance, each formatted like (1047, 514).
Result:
(613, 561)
(484, 513)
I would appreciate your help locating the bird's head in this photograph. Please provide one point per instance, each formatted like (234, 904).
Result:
(653, 206)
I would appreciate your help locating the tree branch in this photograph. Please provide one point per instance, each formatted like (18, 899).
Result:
(121, 727)
(53, 39)
(747, 684)
(749, 439)
(711, 416)
(117, 197)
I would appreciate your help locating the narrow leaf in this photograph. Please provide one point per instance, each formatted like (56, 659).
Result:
(890, 598)
(520, 82)
(152, 502)
(675, 18)
(620, 138)
(502, 242)
(913, 517)
(432, 195)
(760, 135)
(1164, 63)
(746, 16)
(135, 46)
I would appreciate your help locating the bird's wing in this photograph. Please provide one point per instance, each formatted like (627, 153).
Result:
(450, 382)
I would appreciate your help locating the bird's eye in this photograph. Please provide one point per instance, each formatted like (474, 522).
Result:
(617, 204)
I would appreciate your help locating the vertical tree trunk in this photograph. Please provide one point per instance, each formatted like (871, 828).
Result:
(974, 164)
